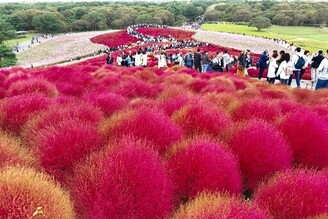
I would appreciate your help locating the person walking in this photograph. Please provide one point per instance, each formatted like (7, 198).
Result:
(241, 64)
(315, 62)
(205, 62)
(323, 74)
(272, 68)
(307, 59)
(262, 64)
(297, 64)
(285, 69)
(197, 60)
(226, 60)
(188, 60)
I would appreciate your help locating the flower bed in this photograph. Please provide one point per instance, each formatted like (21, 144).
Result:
(157, 143)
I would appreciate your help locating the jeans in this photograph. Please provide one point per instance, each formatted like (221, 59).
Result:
(321, 84)
(204, 68)
(261, 73)
(297, 77)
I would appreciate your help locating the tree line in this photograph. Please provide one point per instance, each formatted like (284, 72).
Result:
(297, 13)
(87, 16)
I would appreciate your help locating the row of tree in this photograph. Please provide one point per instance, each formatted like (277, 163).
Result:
(84, 16)
(298, 13)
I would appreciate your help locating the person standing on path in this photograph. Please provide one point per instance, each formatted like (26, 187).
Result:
(197, 60)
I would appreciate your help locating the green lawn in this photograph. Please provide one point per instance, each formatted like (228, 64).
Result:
(309, 38)
(13, 42)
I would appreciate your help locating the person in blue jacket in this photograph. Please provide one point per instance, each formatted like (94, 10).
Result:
(263, 62)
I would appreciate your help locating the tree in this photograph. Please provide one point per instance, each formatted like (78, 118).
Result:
(7, 57)
(48, 22)
(166, 17)
(7, 31)
(260, 22)
(211, 16)
(96, 20)
(244, 15)
(191, 12)
(148, 19)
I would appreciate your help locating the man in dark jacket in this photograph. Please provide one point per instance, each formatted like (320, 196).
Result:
(315, 62)
(263, 63)
(197, 59)
(188, 60)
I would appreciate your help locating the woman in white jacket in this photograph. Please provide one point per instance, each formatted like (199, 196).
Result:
(285, 69)
(272, 68)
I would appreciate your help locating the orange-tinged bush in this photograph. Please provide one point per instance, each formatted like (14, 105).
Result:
(25, 193)
(33, 85)
(13, 153)
(219, 206)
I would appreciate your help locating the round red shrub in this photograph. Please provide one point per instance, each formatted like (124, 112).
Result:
(257, 108)
(145, 123)
(202, 117)
(15, 111)
(202, 165)
(261, 151)
(294, 194)
(62, 145)
(25, 193)
(307, 133)
(78, 111)
(33, 85)
(107, 102)
(219, 206)
(126, 181)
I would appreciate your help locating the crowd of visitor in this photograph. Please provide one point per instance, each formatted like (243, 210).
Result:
(280, 66)
(284, 67)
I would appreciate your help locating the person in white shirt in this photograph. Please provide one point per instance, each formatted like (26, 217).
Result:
(272, 68)
(285, 69)
(161, 60)
(226, 60)
(137, 59)
(119, 60)
(307, 59)
(322, 74)
(144, 59)
(296, 71)
(180, 59)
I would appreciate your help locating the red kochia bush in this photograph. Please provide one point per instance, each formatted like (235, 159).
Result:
(33, 85)
(202, 117)
(261, 151)
(219, 206)
(202, 165)
(107, 102)
(61, 145)
(126, 181)
(145, 123)
(294, 194)
(257, 108)
(77, 110)
(15, 111)
(307, 134)
(25, 193)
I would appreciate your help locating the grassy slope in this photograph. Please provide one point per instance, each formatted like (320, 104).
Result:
(309, 38)
(13, 42)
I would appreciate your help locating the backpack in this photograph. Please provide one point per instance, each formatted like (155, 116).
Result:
(300, 62)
